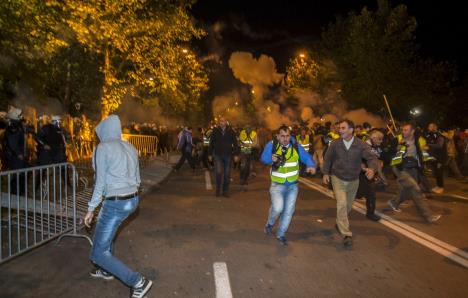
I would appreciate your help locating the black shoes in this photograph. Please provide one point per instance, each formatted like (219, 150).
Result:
(268, 230)
(282, 240)
(99, 273)
(348, 242)
(225, 194)
(373, 216)
(140, 290)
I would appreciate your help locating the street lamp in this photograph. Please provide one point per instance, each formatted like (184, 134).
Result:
(415, 112)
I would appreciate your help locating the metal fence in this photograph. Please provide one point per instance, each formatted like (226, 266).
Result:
(144, 144)
(39, 204)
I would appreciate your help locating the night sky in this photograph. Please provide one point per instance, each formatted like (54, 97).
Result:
(281, 28)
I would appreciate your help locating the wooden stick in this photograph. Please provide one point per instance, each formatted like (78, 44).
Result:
(390, 112)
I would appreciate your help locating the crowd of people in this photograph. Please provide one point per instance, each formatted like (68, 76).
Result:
(356, 161)
(27, 141)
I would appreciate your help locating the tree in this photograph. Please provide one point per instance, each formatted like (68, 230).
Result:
(302, 73)
(376, 53)
(141, 44)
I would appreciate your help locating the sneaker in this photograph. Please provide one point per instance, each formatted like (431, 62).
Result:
(348, 241)
(434, 218)
(282, 240)
(99, 273)
(394, 208)
(268, 230)
(373, 216)
(438, 190)
(140, 290)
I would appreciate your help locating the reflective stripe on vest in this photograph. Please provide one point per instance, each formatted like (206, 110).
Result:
(398, 158)
(304, 142)
(290, 170)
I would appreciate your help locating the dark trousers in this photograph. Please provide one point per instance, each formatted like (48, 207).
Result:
(185, 156)
(409, 189)
(204, 157)
(245, 164)
(366, 189)
(438, 170)
(222, 172)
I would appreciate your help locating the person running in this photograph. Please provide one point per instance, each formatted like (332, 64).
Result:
(117, 171)
(342, 166)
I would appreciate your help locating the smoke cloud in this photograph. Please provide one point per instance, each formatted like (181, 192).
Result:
(273, 106)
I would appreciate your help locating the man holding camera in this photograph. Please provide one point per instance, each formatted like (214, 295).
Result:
(284, 155)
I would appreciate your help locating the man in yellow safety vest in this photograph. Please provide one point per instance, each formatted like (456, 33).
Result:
(284, 155)
(248, 142)
(408, 165)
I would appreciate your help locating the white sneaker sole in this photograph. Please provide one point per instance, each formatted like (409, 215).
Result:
(146, 289)
(101, 276)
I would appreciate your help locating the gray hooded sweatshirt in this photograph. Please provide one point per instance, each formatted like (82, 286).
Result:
(115, 163)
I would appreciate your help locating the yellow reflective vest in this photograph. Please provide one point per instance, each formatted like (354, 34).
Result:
(304, 142)
(398, 158)
(247, 141)
(290, 170)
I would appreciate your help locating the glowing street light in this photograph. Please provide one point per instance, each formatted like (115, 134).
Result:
(302, 55)
(253, 91)
(185, 51)
(415, 112)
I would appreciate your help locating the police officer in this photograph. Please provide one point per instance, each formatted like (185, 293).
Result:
(248, 141)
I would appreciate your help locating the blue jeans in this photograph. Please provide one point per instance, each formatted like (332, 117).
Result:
(222, 171)
(112, 214)
(283, 202)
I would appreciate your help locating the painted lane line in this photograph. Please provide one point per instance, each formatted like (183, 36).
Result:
(208, 181)
(443, 248)
(457, 196)
(221, 275)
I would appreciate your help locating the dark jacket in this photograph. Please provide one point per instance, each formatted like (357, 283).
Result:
(437, 146)
(14, 145)
(223, 143)
(346, 164)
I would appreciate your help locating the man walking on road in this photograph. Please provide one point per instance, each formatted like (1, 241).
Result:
(408, 166)
(117, 171)
(223, 145)
(342, 165)
(284, 155)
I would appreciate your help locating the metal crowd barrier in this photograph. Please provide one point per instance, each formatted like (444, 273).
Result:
(144, 144)
(39, 204)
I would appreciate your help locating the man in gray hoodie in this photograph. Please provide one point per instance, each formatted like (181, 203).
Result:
(117, 172)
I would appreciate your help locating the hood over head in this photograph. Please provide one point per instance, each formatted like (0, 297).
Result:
(109, 129)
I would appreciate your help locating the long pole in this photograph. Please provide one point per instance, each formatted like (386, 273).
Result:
(390, 112)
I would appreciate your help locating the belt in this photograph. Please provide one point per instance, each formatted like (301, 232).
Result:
(130, 196)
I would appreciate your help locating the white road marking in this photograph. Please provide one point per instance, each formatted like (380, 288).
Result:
(208, 181)
(457, 196)
(221, 275)
(443, 248)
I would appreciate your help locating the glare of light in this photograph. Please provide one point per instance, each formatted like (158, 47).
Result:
(253, 91)
(151, 78)
(302, 55)
(322, 119)
(185, 51)
(268, 108)
(415, 111)
(236, 103)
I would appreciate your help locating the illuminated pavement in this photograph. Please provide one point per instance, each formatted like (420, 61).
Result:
(182, 229)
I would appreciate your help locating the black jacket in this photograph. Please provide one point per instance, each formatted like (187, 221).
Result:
(223, 144)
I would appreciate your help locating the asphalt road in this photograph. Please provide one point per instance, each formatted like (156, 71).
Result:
(181, 229)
